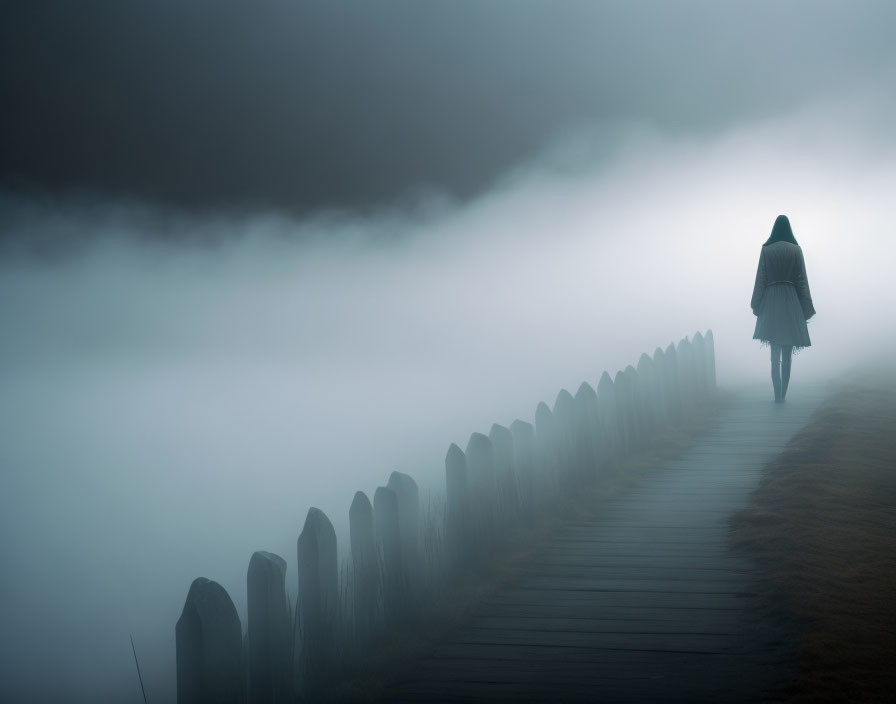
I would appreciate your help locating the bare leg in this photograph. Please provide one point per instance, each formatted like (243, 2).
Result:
(776, 372)
(786, 358)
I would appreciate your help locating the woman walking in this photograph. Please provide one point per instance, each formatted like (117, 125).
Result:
(782, 302)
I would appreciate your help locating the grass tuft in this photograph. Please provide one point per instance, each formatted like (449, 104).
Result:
(822, 527)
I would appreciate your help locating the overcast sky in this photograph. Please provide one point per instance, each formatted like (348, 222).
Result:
(305, 105)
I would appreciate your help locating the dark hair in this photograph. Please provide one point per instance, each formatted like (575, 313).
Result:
(781, 232)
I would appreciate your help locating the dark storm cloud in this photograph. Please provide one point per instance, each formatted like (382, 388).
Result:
(310, 105)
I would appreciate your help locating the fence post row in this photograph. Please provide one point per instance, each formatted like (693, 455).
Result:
(501, 478)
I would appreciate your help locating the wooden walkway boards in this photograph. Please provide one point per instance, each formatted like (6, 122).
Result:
(647, 602)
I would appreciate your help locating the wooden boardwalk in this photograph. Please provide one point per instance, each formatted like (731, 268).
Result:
(647, 602)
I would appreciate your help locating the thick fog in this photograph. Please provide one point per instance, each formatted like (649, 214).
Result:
(169, 404)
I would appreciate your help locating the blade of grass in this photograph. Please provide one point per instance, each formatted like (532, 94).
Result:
(137, 663)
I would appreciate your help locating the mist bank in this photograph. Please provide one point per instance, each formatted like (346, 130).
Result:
(169, 404)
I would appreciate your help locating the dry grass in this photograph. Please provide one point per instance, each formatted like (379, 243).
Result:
(403, 648)
(823, 526)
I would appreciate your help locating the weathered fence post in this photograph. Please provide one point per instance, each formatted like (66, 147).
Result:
(709, 341)
(686, 374)
(505, 476)
(587, 429)
(365, 572)
(636, 423)
(691, 357)
(546, 441)
(456, 519)
(388, 533)
(269, 630)
(408, 496)
(660, 403)
(318, 598)
(699, 346)
(644, 391)
(208, 641)
(523, 435)
(623, 415)
(481, 480)
(673, 388)
(610, 440)
(565, 424)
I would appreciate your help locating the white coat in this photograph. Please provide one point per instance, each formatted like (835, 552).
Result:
(781, 300)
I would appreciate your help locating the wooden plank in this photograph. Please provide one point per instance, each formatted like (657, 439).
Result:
(607, 548)
(587, 599)
(647, 504)
(629, 525)
(660, 546)
(728, 608)
(662, 642)
(722, 624)
(625, 526)
(683, 561)
(587, 570)
(668, 586)
(639, 665)
(590, 656)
